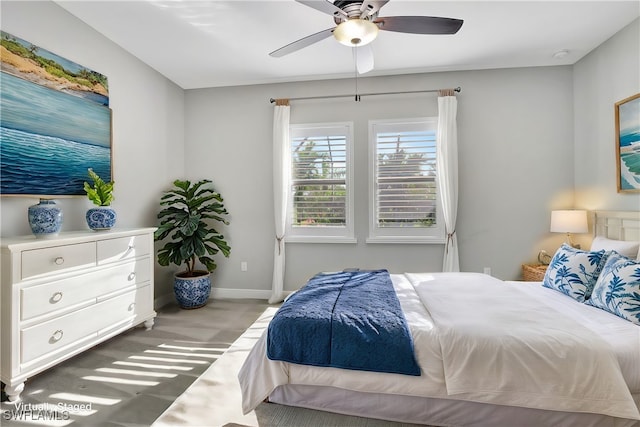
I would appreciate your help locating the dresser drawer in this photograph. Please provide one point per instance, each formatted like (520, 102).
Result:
(57, 295)
(57, 259)
(131, 305)
(63, 331)
(133, 272)
(110, 250)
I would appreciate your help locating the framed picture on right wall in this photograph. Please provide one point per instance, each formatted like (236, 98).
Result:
(628, 144)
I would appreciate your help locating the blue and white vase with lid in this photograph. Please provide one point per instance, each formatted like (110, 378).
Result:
(45, 219)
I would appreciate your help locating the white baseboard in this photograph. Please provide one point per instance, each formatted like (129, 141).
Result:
(244, 293)
(240, 293)
(223, 293)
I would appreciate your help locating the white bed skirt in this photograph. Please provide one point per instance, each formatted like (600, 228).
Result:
(435, 412)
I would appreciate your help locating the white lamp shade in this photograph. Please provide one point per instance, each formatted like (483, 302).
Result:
(569, 221)
(356, 32)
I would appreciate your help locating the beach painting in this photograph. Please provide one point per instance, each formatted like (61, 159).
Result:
(627, 114)
(55, 122)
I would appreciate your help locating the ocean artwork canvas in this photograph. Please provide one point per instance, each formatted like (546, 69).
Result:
(627, 114)
(55, 122)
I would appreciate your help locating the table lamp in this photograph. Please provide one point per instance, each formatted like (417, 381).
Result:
(569, 221)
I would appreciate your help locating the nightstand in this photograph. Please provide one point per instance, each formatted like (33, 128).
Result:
(533, 272)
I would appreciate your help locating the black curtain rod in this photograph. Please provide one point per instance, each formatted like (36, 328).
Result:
(357, 96)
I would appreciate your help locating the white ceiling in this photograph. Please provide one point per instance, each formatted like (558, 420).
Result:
(202, 43)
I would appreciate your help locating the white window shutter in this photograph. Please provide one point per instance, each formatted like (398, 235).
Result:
(405, 204)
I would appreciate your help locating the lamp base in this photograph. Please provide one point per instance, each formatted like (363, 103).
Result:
(571, 243)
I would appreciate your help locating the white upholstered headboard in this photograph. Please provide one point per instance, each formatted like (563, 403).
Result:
(618, 225)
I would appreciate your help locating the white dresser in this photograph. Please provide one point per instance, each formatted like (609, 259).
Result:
(63, 295)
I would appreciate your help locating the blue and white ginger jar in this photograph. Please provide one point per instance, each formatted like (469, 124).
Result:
(45, 219)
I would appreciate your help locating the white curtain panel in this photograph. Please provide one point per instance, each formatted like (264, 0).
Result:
(281, 185)
(447, 170)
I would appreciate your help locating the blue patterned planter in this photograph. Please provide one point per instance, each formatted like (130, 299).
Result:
(101, 218)
(45, 219)
(192, 292)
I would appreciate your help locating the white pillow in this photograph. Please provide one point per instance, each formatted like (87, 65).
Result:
(617, 289)
(574, 272)
(628, 249)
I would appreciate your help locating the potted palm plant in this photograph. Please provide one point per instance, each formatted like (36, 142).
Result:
(102, 217)
(187, 221)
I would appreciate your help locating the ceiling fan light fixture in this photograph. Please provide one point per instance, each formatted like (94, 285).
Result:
(356, 32)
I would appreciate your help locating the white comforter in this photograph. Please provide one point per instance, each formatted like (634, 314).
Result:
(480, 339)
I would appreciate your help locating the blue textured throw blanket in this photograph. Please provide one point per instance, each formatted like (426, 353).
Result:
(350, 320)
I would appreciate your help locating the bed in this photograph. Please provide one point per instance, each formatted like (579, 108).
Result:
(532, 355)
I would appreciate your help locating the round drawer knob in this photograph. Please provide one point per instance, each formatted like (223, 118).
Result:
(132, 276)
(132, 306)
(57, 335)
(56, 297)
(59, 260)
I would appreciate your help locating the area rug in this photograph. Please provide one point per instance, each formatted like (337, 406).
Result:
(215, 399)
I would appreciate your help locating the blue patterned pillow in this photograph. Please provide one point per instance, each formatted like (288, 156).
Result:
(617, 290)
(574, 272)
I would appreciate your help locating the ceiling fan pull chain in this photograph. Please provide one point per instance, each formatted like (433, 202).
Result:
(357, 97)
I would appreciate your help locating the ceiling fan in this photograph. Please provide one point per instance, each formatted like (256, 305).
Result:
(357, 25)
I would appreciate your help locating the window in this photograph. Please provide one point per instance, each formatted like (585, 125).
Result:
(405, 207)
(321, 204)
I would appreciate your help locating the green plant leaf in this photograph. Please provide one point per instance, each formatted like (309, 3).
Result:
(209, 263)
(101, 193)
(186, 225)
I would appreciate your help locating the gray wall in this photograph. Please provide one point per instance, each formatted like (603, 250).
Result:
(607, 75)
(148, 127)
(516, 163)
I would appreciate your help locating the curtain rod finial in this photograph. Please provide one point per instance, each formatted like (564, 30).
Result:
(271, 100)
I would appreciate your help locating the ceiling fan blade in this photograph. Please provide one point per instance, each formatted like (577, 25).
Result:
(302, 43)
(419, 24)
(324, 6)
(364, 58)
(369, 7)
